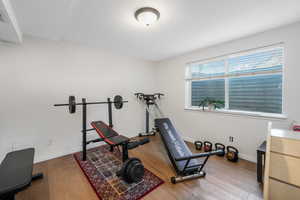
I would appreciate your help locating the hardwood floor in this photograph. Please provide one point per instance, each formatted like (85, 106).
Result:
(64, 180)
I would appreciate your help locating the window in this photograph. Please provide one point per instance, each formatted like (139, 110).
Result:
(249, 82)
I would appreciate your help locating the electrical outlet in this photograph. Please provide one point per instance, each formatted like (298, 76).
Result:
(231, 139)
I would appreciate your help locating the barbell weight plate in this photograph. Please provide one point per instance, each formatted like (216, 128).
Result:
(72, 104)
(135, 172)
(118, 102)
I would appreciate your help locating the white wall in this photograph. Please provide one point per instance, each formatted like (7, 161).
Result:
(249, 132)
(40, 73)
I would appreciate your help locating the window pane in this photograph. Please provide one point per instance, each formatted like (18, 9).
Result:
(214, 89)
(256, 62)
(210, 69)
(256, 93)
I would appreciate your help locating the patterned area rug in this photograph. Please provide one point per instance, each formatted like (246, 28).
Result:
(100, 169)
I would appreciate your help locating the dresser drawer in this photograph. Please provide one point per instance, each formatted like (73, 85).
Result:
(281, 191)
(285, 146)
(285, 168)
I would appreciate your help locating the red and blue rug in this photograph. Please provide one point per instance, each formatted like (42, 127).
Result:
(100, 169)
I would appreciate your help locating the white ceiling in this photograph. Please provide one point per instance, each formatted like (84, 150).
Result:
(185, 25)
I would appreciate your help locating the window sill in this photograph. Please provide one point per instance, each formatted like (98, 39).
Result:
(241, 113)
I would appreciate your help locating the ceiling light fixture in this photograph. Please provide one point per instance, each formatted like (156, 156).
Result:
(147, 15)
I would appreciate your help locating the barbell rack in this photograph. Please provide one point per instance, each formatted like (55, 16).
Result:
(72, 104)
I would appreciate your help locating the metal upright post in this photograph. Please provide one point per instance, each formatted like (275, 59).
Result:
(84, 129)
(125, 151)
(110, 123)
(147, 119)
(109, 113)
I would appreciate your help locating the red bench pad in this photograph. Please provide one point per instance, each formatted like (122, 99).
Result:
(108, 134)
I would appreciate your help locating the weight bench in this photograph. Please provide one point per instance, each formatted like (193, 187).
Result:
(113, 139)
(186, 163)
(132, 169)
(16, 173)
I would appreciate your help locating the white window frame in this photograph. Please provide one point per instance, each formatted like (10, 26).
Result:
(226, 110)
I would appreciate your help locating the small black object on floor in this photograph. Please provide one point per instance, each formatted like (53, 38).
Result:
(16, 173)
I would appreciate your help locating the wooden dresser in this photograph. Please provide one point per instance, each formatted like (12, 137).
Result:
(282, 172)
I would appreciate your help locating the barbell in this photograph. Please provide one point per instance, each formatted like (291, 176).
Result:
(118, 103)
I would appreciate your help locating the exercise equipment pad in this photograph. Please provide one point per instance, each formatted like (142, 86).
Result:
(175, 146)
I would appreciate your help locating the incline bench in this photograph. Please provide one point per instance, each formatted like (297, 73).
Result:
(16, 173)
(186, 163)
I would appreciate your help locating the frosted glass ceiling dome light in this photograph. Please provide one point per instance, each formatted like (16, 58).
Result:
(147, 15)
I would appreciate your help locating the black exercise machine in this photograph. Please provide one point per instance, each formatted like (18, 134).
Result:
(186, 163)
(16, 173)
(149, 100)
(132, 169)
(118, 103)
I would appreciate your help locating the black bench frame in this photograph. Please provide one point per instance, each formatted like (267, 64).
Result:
(188, 172)
(121, 141)
(85, 131)
(189, 158)
(113, 139)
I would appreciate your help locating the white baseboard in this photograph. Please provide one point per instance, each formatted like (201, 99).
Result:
(74, 150)
(43, 158)
(248, 157)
